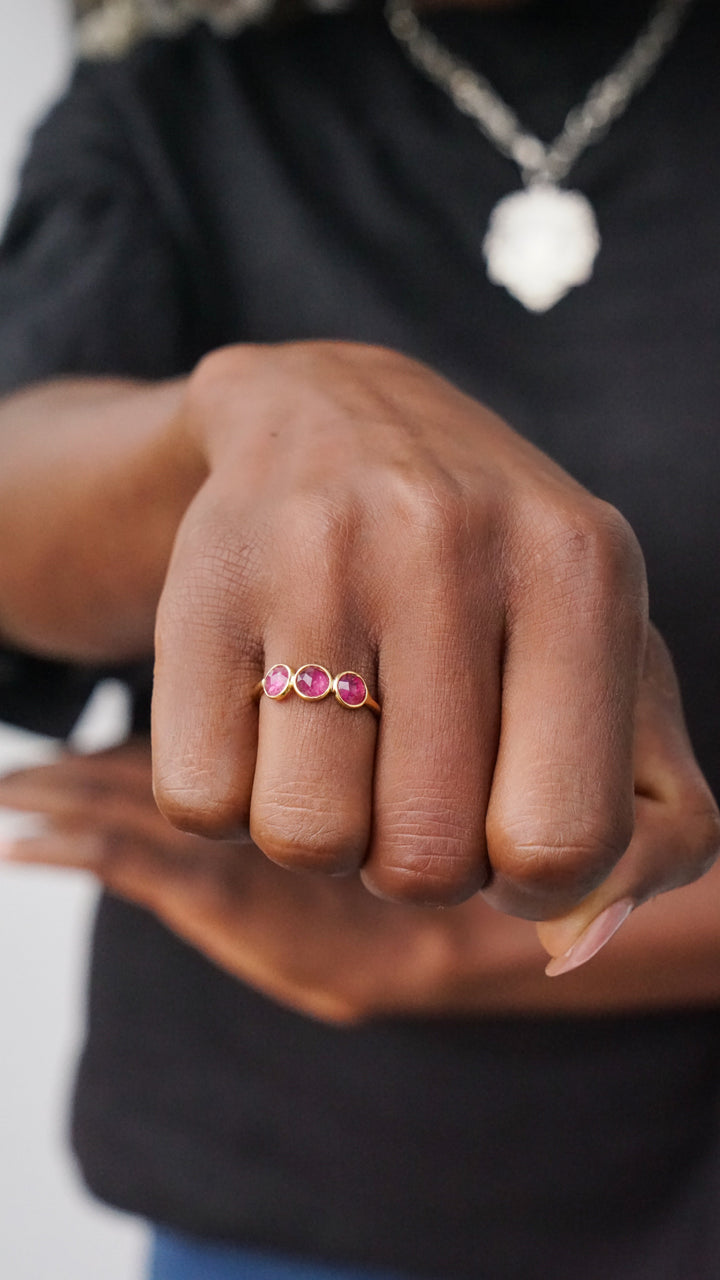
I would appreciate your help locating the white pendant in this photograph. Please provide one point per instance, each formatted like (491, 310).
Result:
(541, 243)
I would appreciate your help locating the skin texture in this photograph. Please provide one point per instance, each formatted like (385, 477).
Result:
(343, 504)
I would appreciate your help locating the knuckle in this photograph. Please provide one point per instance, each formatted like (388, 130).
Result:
(432, 508)
(214, 366)
(193, 807)
(582, 550)
(693, 823)
(218, 371)
(705, 829)
(554, 863)
(439, 537)
(427, 862)
(425, 879)
(591, 549)
(317, 837)
(322, 525)
(614, 547)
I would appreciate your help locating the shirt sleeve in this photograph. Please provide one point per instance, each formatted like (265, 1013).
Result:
(91, 279)
(91, 283)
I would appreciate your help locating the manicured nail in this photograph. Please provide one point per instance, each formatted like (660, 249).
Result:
(592, 939)
(15, 825)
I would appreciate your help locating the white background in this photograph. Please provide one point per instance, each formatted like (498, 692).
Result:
(49, 1228)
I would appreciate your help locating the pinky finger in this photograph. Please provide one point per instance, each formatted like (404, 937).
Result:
(677, 825)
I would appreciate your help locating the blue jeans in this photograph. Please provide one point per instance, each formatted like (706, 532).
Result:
(177, 1257)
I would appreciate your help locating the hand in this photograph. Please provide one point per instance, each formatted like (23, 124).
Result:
(327, 948)
(323, 946)
(344, 504)
(361, 512)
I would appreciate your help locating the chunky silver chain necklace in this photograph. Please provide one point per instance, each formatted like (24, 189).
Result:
(541, 241)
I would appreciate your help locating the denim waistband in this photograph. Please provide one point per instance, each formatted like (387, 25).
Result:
(180, 1257)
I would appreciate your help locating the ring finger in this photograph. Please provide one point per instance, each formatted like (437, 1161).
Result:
(312, 793)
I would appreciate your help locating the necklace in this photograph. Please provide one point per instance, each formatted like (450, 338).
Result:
(543, 240)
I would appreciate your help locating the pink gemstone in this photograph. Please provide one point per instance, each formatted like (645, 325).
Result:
(351, 689)
(276, 681)
(312, 682)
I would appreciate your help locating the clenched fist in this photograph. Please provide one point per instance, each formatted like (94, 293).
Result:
(361, 513)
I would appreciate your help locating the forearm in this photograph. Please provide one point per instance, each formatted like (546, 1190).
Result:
(94, 479)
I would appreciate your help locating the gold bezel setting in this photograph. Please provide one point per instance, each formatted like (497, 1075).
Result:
(351, 706)
(312, 697)
(332, 685)
(278, 666)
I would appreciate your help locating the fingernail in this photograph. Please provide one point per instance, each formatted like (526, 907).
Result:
(15, 825)
(592, 939)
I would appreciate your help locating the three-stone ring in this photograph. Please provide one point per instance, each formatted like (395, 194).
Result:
(312, 683)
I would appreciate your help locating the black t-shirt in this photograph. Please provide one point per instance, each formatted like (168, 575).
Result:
(304, 181)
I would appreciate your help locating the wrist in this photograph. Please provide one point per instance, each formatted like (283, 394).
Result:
(95, 478)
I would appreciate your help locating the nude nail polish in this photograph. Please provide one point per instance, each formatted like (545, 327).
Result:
(592, 939)
(15, 825)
